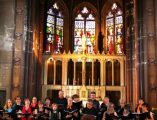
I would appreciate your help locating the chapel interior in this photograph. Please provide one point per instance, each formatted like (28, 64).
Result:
(79, 46)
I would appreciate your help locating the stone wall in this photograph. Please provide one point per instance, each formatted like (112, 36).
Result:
(7, 27)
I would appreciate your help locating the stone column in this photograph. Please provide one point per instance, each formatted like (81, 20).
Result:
(149, 17)
(135, 57)
(131, 80)
(142, 49)
(18, 57)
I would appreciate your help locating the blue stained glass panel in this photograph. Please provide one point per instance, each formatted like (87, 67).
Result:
(119, 19)
(90, 24)
(79, 24)
(109, 22)
(50, 19)
(60, 21)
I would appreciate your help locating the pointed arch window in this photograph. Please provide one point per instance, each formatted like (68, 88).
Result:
(84, 31)
(114, 30)
(54, 30)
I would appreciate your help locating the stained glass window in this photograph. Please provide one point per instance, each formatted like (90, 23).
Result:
(114, 30)
(84, 31)
(54, 30)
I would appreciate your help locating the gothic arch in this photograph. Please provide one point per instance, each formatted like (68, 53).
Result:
(64, 9)
(104, 12)
(95, 13)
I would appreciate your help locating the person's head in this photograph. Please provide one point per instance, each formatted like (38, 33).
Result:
(122, 102)
(145, 107)
(110, 108)
(106, 100)
(126, 109)
(40, 104)
(27, 102)
(75, 98)
(34, 100)
(54, 106)
(93, 95)
(140, 101)
(18, 100)
(89, 104)
(61, 94)
(9, 103)
(47, 101)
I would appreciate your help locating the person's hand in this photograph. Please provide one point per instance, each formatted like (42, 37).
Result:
(68, 116)
(75, 114)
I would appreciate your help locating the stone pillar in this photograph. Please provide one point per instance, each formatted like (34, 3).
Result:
(18, 57)
(135, 50)
(131, 49)
(142, 49)
(149, 17)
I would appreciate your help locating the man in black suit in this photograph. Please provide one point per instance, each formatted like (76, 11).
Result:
(90, 109)
(96, 104)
